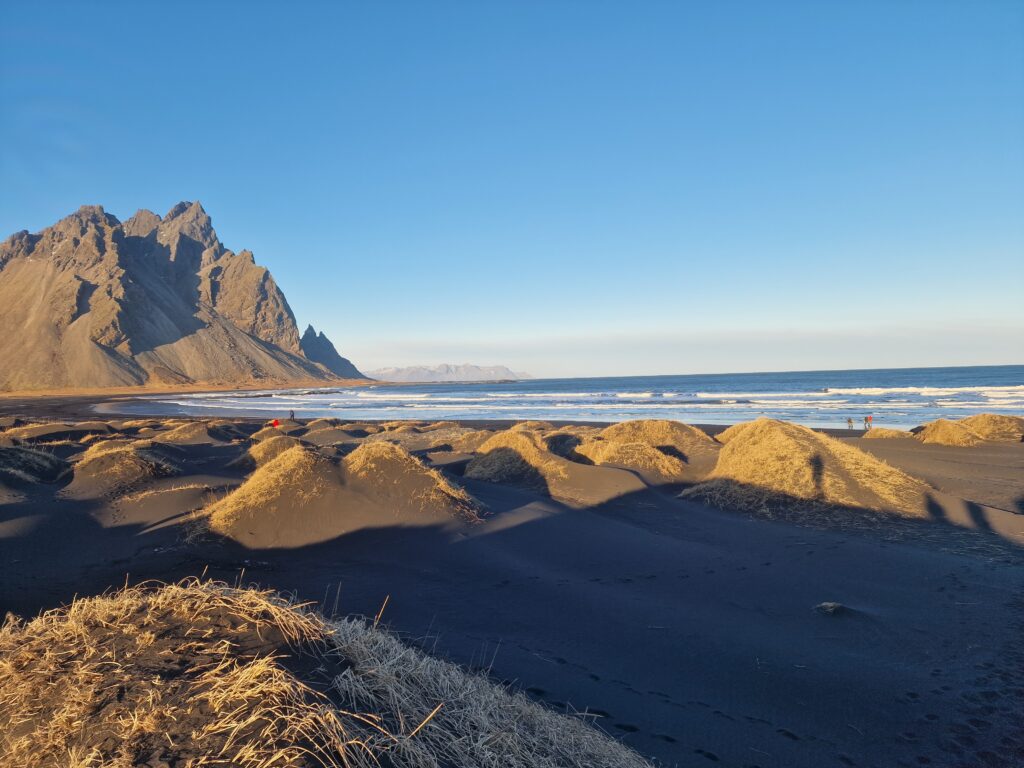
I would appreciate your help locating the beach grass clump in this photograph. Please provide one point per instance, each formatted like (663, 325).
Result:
(642, 457)
(316, 424)
(391, 472)
(293, 478)
(469, 441)
(517, 456)
(266, 433)
(261, 452)
(114, 465)
(886, 433)
(194, 433)
(24, 465)
(532, 425)
(768, 463)
(946, 432)
(203, 674)
(994, 426)
(681, 439)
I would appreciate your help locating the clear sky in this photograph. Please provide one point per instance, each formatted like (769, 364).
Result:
(567, 188)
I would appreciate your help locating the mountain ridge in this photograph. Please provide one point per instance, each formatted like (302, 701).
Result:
(93, 302)
(447, 372)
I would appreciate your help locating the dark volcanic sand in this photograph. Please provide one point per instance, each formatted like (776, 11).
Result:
(688, 632)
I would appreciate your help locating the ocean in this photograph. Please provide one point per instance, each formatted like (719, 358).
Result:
(902, 398)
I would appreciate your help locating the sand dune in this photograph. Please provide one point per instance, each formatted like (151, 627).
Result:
(884, 433)
(20, 464)
(301, 497)
(521, 457)
(945, 432)
(655, 466)
(769, 464)
(266, 450)
(991, 426)
(118, 465)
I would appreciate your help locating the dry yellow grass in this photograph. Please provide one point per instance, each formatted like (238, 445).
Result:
(201, 674)
(532, 426)
(292, 478)
(391, 471)
(301, 496)
(114, 465)
(399, 423)
(661, 433)
(316, 424)
(266, 433)
(470, 440)
(140, 424)
(260, 453)
(639, 456)
(768, 463)
(726, 435)
(193, 432)
(516, 456)
(440, 425)
(945, 432)
(885, 433)
(992, 426)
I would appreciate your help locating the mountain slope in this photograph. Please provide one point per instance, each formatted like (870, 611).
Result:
(448, 372)
(91, 302)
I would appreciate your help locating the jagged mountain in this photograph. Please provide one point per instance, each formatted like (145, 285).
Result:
(318, 348)
(92, 302)
(448, 372)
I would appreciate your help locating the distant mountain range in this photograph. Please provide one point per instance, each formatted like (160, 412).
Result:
(448, 372)
(94, 302)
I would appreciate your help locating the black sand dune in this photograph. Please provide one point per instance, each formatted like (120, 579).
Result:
(692, 634)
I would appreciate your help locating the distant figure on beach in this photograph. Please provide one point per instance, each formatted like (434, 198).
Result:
(849, 423)
(291, 415)
(867, 423)
(871, 421)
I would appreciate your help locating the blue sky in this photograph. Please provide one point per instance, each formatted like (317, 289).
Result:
(567, 188)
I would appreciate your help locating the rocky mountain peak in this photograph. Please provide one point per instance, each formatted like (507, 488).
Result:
(318, 348)
(97, 303)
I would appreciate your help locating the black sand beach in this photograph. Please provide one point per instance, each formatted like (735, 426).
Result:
(695, 635)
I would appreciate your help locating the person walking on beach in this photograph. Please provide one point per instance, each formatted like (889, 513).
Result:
(849, 423)
(871, 421)
(867, 423)
(291, 415)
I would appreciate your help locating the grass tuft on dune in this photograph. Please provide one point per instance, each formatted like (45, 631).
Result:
(267, 450)
(199, 673)
(885, 433)
(391, 471)
(946, 432)
(661, 433)
(292, 478)
(639, 456)
(993, 426)
(115, 465)
(516, 456)
(768, 463)
(19, 464)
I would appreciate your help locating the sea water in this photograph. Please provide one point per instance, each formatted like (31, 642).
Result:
(900, 398)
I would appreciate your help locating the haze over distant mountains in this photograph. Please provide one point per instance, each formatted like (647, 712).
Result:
(448, 372)
(94, 302)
